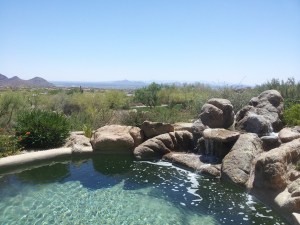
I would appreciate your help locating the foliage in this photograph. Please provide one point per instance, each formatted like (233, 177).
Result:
(134, 117)
(8, 144)
(10, 103)
(289, 89)
(291, 116)
(42, 129)
(88, 132)
(148, 95)
(298, 165)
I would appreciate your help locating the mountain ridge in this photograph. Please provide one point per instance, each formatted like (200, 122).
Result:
(16, 82)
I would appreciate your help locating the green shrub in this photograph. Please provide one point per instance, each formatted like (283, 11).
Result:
(298, 165)
(291, 116)
(8, 144)
(42, 129)
(88, 131)
(134, 117)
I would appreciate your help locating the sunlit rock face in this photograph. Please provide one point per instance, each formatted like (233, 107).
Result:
(116, 139)
(218, 143)
(217, 113)
(263, 114)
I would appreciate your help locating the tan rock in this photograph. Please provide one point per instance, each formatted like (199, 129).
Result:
(183, 126)
(218, 142)
(152, 129)
(160, 145)
(271, 168)
(116, 139)
(192, 162)
(236, 165)
(288, 134)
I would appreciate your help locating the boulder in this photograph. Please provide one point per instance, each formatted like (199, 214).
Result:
(236, 165)
(263, 114)
(152, 129)
(116, 139)
(192, 162)
(156, 147)
(270, 142)
(219, 141)
(271, 168)
(217, 113)
(78, 138)
(183, 126)
(275, 181)
(288, 134)
(197, 129)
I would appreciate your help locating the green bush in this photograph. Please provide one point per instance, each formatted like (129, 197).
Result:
(8, 144)
(134, 117)
(298, 165)
(88, 131)
(42, 129)
(291, 116)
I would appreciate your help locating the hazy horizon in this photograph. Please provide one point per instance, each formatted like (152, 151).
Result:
(248, 42)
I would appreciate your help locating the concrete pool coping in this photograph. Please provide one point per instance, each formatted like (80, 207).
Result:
(15, 163)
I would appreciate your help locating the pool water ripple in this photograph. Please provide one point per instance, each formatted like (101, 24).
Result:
(113, 190)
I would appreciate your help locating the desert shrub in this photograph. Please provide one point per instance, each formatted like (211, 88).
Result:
(173, 115)
(291, 116)
(238, 97)
(10, 104)
(8, 144)
(134, 117)
(70, 108)
(298, 165)
(88, 131)
(42, 129)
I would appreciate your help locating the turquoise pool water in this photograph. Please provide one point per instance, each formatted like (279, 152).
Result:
(114, 190)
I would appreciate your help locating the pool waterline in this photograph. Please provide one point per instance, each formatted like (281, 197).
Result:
(118, 190)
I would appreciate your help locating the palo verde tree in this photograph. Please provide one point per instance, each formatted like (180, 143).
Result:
(148, 95)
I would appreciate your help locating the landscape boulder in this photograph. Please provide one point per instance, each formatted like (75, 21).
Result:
(236, 165)
(218, 142)
(116, 139)
(152, 129)
(270, 142)
(288, 134)
(272, 167)
(275, 179)
(263, 114)
(192, 162)
(217, 113)
(78, 138)
(183, 126)
(156, 147)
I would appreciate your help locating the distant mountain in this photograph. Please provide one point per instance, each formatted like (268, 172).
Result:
(16, 82)
(122, 84)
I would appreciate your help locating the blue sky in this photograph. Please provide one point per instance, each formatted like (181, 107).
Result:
(249, 41)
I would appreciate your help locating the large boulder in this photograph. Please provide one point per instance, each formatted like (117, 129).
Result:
(272, 167)
(116, 139)
(236, 165)
(156, 147)
(275, 179)
(217, 113)
(152, 129)
(192, 162)
(288, 134)
(263, 114)
(218, 142)
(183, 126)
(270, 142)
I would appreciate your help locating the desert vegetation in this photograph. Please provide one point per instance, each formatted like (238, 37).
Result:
(76, 109)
